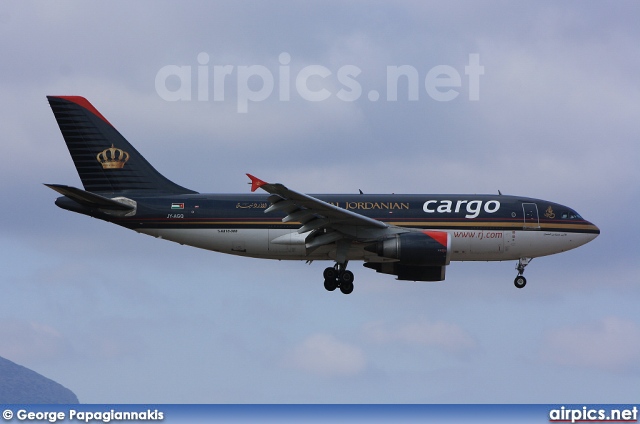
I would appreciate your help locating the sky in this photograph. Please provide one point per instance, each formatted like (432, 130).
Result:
(539, 99)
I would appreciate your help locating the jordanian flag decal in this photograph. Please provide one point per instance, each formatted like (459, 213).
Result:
(177, 206)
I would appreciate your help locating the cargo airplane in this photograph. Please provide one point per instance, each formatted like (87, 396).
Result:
(413, 237)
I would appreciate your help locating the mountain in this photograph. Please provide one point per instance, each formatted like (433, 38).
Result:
(21, 385)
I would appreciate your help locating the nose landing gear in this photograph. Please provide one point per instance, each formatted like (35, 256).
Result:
(520, 281)
(338, 276)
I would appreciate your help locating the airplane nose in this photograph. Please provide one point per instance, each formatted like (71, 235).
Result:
(595, 230)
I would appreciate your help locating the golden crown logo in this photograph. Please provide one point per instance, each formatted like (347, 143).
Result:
(112, 158)
(549, 213)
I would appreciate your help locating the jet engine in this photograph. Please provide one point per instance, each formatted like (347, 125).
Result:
(422, 248)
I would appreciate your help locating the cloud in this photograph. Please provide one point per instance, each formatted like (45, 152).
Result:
(612, 344)
(324, 355)
(441, 335)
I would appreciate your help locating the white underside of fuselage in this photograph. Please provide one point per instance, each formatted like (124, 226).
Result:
(466, 245)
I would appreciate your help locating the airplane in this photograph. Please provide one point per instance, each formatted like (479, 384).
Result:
(411, 236)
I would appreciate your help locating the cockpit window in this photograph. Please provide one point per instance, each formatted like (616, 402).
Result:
(570, 215)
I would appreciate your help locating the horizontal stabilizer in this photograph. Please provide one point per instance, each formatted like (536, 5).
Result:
(88, 199)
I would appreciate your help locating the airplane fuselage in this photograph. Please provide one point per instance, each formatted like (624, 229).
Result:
(482, 227)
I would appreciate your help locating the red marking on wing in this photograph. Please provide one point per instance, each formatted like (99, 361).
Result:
(81, 101)
(256, 183)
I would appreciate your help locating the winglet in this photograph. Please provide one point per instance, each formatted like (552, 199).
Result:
(256, 183)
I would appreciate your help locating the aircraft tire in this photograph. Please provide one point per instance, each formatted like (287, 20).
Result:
(346, 277)
(520, 281)
(331, 285)
(346, 288)
(330, 273)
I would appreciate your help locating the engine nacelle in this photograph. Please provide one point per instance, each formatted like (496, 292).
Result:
(409, 272)
(422, 248)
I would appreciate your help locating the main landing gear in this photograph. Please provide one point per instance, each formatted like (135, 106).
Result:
(338, 276)
(520, 281)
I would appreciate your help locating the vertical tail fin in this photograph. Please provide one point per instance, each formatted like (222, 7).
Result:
(104, 159)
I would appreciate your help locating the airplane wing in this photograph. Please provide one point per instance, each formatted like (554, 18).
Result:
(315, 214)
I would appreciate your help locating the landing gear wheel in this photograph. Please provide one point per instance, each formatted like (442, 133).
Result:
(520, 281)
(346, 287)
(347, 278)
(330, 274)
(331, 285)
(338, 276)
